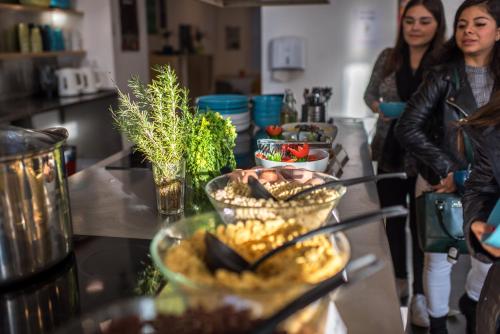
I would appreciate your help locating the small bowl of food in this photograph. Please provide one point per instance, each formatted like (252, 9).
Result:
(287, 154)
(317, 160)
(232, 199)
(392, 109)
(314, 133)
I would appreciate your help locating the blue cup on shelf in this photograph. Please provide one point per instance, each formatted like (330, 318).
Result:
(392, 109)
(60, 4)
(459, 177)
(57, 40)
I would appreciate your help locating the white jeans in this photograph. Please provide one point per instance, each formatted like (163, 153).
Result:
(437, 282)
(437, 275)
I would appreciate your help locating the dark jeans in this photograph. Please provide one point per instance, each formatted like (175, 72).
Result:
(395, 192)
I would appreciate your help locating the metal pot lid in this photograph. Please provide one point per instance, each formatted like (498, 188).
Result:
(17, 142)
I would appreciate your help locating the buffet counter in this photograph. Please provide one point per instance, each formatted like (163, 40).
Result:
(118, 203)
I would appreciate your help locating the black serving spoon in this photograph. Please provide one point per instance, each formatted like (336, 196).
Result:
(259, 191)
(218, 255)
(356, 270)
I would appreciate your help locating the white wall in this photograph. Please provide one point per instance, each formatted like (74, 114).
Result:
(128, 63)
(102, 41)
(339, 51)
(97, 35)
(451, 7)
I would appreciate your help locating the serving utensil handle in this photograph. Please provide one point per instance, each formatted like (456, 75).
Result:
(389, 212)
(356, 270)
(348, 182)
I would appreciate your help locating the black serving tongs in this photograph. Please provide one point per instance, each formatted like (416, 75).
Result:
(356, 271)
(259, 191)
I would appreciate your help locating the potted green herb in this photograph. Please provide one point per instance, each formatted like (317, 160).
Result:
(174, 137)
(157, 121)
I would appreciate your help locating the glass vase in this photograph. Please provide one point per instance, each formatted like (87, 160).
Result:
(169, 179)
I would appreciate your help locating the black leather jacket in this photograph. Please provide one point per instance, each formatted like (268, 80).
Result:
(428, 127)
(482, 193)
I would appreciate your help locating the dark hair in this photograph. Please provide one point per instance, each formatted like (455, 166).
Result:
(452, 53)
(488, 115)
(395, 59)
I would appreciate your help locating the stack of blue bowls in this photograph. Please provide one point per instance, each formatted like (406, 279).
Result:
(230, 106)
(267, 109)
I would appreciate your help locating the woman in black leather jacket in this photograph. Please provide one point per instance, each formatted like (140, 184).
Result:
(481, 194)
(427, 129)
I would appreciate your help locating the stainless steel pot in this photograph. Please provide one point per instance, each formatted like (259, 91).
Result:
(35, 218)
(42, 304)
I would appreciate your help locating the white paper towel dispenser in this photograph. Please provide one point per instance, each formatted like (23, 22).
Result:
(287, 53)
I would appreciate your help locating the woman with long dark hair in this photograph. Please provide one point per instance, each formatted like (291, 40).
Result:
(396, 75)
(468, 75)
(481, 194)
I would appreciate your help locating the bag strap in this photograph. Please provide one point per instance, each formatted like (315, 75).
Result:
(439, 210)
(469, 152)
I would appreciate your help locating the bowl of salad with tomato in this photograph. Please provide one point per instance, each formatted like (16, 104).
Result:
(299, 155)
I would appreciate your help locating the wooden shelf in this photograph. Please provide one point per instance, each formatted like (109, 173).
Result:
(26, 8)
(18, 55)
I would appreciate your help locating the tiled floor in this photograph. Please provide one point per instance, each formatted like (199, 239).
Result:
(456, 325)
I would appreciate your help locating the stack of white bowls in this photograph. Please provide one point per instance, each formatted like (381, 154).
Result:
(234, 107)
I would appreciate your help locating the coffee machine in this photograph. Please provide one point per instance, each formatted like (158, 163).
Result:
(314, 107)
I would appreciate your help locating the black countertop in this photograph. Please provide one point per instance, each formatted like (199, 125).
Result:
(16, 109)
(99, 271)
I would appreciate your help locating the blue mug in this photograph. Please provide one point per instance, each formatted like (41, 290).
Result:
(392, 109)
(459, 177)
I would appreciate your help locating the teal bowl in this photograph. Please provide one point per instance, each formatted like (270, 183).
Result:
(222, 101)
(268, 98)
(392, 109)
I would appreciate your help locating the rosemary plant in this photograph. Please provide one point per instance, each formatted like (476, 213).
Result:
(161, 124)
(157, 120)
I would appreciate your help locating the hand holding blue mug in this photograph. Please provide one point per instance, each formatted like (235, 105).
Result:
(460, 176)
